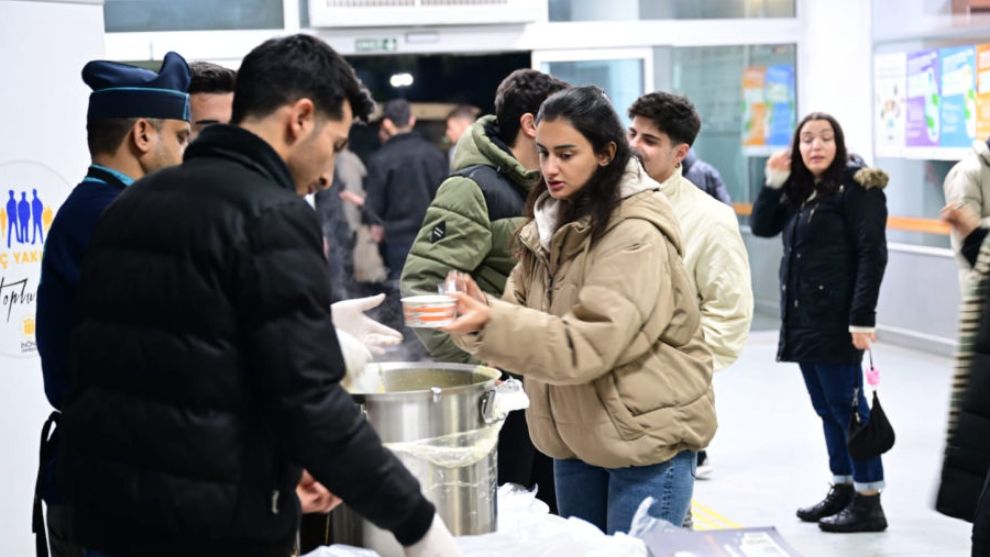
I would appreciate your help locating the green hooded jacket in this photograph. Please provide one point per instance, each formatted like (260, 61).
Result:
(469, 227)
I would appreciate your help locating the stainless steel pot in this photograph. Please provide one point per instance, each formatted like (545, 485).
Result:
(440, 420)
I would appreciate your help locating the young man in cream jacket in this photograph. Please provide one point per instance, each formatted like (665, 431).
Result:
(663, 128)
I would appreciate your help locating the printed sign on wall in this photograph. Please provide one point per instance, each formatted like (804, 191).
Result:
(769, 107)
(923, 99)
(754, 106)
(946, 100)
(889, 83)
(31, 193)
(982, 91)
(958, 107)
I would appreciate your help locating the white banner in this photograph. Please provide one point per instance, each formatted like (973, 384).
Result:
(42, 155)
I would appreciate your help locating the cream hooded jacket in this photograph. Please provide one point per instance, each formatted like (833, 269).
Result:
(716, 259)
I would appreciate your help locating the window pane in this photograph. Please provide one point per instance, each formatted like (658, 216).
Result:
(712, 77)
(915, 191)
(626, 10)
(191, 15)
(622, 80)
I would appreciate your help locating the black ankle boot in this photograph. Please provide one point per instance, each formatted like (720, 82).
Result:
(837, 499)
(864, 514)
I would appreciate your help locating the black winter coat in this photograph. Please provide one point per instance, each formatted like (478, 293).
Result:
(967, 452)
(835, 252)
(403, 177)
(206, 369)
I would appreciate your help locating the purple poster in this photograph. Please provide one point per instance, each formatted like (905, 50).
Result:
(923, 99)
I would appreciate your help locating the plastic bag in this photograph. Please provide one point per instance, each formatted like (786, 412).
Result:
(526, 529)
(454, 450)
(340, 550)
(467, 448)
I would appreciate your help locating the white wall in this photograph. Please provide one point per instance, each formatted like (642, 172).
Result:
(43, 146)
(834, 67)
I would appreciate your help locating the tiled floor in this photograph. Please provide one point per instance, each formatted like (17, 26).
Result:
(769, 454)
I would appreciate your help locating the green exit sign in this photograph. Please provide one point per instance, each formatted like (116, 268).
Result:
(386, 44)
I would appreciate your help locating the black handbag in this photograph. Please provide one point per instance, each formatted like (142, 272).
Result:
(875, 436)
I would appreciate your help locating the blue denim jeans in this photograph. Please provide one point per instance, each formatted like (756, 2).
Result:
(609, 497)
(831, 388)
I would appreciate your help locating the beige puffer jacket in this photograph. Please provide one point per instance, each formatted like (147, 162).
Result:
(607, 337)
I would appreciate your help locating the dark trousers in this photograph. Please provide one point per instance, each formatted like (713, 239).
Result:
(59, 520)
(831, 387)
(519, 462)
(981, 523)
(395, 255)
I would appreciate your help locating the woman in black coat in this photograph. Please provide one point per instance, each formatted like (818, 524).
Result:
(964, 490)
(833, 215)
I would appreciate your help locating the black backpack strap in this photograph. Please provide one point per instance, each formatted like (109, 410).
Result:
(503, 197)
(46, 453)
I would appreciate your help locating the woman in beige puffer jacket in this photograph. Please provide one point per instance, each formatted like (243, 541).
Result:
(603, 323)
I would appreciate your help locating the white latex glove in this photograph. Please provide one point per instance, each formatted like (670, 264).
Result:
(355, 354)
(348, 316)
(436, 543)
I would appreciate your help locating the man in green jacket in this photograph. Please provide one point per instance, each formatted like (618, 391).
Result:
(469, 227)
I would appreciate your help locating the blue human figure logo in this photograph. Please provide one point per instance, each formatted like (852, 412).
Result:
(37, 208)
(23, 217)
(12, 219)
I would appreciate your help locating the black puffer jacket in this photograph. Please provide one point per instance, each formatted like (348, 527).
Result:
(967, 451)
(403, 177)
(835, 252)
(206, 369)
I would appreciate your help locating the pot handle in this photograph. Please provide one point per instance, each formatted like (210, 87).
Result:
(506, 397)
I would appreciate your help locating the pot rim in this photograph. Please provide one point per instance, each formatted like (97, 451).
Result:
(428, 394)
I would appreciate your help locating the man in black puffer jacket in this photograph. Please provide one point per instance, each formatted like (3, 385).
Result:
(205, 367)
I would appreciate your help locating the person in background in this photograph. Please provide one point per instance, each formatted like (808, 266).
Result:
(206, 372)
(367, 260)
(469, 227)
(964, 487)
(663, 128)
(833, 217)
(459, 120)
(705, 176)
(403, 177)
(602, 320)
(136, 124)
(968, 184)
(211, 95)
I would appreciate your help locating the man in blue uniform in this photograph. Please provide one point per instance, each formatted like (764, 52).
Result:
(137, 122)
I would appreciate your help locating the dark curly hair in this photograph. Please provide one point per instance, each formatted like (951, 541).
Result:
(522, 92)
(673, 115)
(589, 111)
(283, 70)
(802, 182)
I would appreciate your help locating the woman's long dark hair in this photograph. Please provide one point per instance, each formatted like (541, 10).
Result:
(802, 182)
(589, 111)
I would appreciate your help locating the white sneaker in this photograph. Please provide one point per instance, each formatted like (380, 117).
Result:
(705, 468)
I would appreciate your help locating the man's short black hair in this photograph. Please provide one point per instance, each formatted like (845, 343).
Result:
(211, 78)
(672, 114)
(523, 91)
(398, 111)
(283, 70)
(464, 112)
(104, 135)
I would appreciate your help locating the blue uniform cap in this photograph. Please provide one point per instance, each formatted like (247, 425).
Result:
(123, 91)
